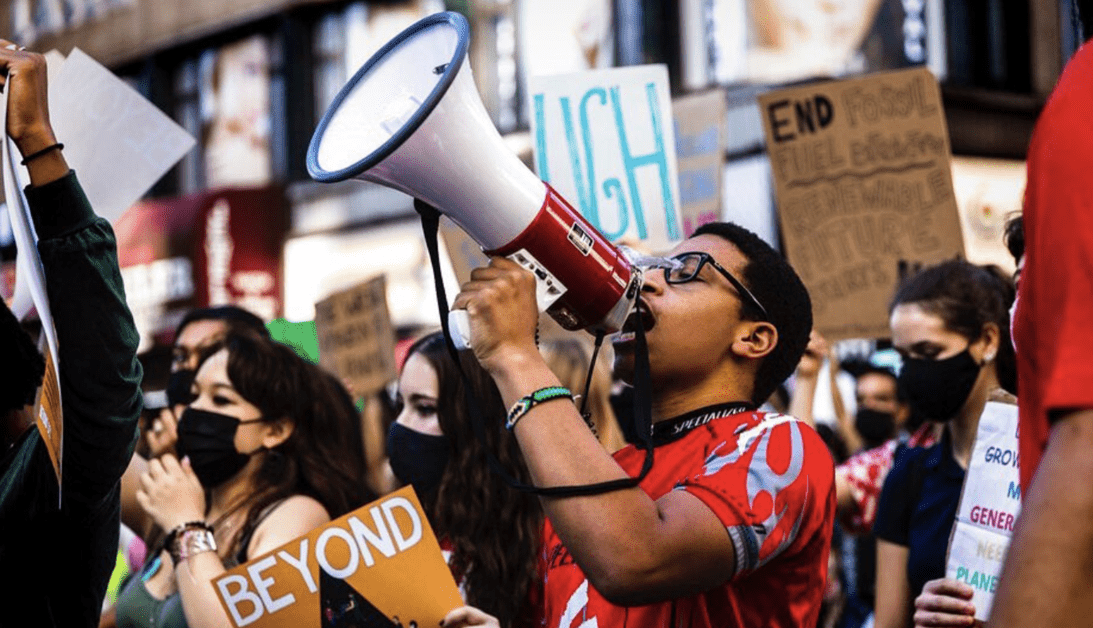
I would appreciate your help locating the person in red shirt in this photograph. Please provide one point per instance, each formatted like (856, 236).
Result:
(732, 526)
(1047, 580)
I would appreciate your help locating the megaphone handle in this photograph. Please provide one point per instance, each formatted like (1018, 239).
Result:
(459, 326)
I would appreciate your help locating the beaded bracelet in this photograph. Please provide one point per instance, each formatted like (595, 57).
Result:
(526, 403)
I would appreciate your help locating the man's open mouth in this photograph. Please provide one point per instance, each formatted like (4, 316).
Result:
(629, 328)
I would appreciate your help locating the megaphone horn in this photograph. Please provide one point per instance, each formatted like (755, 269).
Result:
(411, 119)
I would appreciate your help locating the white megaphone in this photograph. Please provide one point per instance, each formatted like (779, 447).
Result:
(411, 119)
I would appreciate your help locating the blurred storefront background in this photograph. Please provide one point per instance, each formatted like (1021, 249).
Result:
(238, 220)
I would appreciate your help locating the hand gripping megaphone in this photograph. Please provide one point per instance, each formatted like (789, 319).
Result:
(411, 119)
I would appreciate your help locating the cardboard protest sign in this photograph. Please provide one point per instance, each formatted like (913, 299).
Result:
(700, 149)
(604, 139)
(864, 189)
(88, 102)
(356, 339)
(32, 280)
(379, 566)
(989, 505)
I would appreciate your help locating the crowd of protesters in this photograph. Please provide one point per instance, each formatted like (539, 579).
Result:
(739, 507)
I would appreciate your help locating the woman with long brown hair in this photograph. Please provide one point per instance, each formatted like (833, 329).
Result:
(491, 531)
(270, 448)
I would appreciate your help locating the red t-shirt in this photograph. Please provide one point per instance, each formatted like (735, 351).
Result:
(1053, 330)
(770, 480)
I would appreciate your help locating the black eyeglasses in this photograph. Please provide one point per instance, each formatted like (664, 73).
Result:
(690, 264)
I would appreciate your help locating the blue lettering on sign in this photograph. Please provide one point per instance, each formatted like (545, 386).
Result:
(584, 175)
(698, 185)
(1014, 491)
(1004, 457)
(702, 143)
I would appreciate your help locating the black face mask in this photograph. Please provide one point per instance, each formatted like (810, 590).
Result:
(208, 438)
(937, 389)
(417, 459)
(875, 426)
(180, 387)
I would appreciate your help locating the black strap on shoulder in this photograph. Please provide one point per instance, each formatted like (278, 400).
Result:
(430, 224)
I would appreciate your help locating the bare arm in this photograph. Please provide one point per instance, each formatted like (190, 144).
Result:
(132, 515)
(893, 603)
(844, 494)
(849, 433)
(295, 517)
(1047, 580)
(807, 378)
(683, 547)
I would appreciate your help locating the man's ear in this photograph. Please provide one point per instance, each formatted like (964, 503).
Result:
(277, 432)
(754, 339)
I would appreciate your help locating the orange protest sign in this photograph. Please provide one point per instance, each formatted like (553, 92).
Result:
(47, 411)
(377, 566)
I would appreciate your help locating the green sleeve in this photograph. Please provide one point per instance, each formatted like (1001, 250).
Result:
(97, 340)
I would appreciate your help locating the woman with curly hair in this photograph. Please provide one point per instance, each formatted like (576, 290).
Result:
(270, 449)
(491, 532)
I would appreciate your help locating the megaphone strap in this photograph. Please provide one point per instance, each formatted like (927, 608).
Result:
(643, 423)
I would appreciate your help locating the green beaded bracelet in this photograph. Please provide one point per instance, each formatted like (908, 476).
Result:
(526, 403)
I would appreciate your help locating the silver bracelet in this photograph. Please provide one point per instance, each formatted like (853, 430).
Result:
(191, 541)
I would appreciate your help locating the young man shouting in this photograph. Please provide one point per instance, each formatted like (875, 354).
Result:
(732, 526)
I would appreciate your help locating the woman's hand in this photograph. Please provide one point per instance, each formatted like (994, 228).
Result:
(501, 306)
(171, 493)
(163, 433)
(468, 616)
(28, 103)
(944, 602)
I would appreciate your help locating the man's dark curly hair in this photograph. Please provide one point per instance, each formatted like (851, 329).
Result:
(25, 364)
(778, 288)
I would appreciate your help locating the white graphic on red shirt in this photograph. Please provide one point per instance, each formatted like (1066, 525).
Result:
(578, 605)
(762, 479)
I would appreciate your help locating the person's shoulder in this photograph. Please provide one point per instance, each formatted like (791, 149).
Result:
(804, 441)
(301, 507)
(292, 517)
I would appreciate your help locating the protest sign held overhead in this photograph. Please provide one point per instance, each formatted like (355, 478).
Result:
(31, 280)
(700, 148)
(989, 505)
(356, 339)
(864, 190)
(605, 141)
(376, 567)
(111, 118)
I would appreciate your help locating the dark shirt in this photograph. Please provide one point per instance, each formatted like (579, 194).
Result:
(55, 562)
(921, 518)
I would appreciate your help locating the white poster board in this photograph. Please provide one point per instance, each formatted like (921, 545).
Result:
(117, 141)
(31, 276)
(605, 140)
(989, 505)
